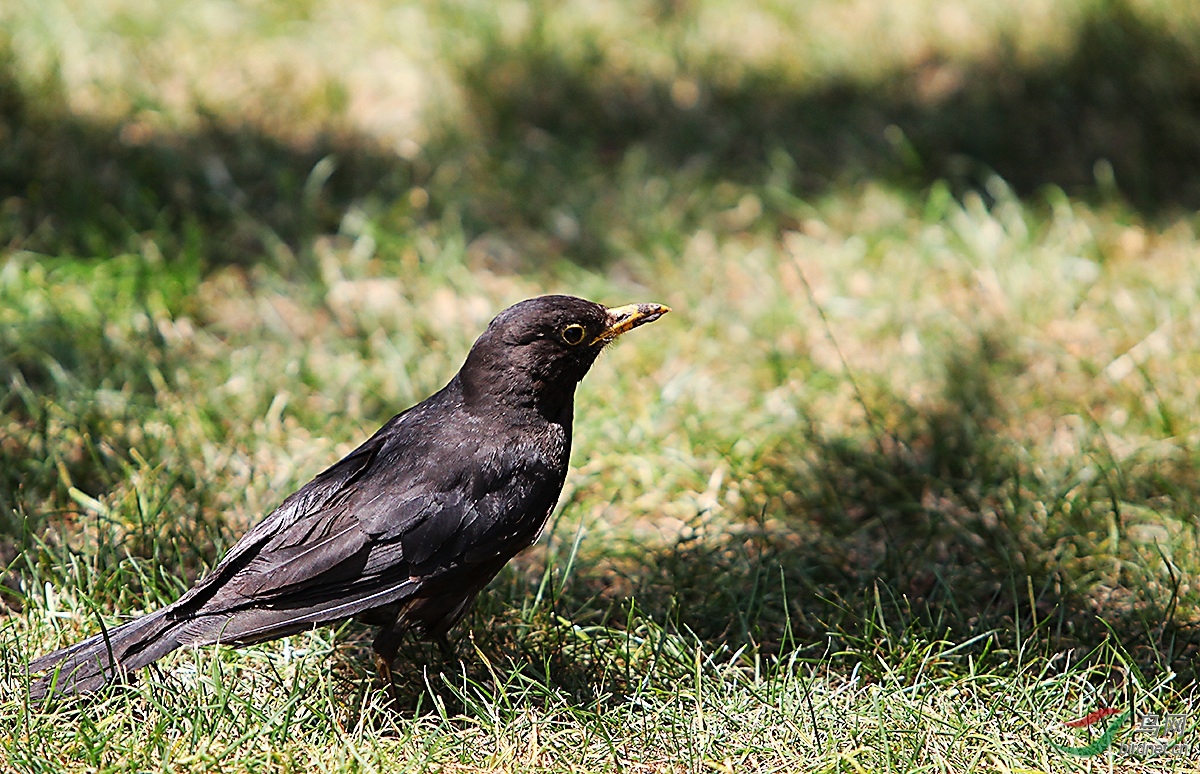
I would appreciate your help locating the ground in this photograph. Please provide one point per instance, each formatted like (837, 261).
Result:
(908, 479)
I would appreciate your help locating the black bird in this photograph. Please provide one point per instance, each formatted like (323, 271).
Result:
(410, 526)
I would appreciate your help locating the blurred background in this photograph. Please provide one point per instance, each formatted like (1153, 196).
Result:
(931, 375)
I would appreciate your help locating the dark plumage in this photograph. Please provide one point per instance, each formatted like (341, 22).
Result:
(407, 529)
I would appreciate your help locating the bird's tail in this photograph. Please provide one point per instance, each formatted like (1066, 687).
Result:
(86, 666)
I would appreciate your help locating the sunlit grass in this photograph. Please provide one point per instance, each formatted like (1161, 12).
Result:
(908, 477)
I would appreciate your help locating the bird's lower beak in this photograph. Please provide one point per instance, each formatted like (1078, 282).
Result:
(622, 319)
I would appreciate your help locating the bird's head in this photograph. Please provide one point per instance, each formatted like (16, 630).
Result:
(539, 349)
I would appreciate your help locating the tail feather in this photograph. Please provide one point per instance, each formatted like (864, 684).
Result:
(88, 665)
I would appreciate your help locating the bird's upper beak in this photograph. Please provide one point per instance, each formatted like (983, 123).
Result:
(622, 319)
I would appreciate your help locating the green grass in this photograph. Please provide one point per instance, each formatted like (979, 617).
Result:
(909, 477)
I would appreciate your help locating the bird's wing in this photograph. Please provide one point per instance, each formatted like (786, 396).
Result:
(373, 529)
(296, 517)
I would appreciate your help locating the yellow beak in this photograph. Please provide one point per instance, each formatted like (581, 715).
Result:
(622, 319)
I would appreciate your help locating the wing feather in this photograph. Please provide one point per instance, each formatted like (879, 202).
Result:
(432, 520)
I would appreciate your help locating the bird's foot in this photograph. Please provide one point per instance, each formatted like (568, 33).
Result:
(384, 667)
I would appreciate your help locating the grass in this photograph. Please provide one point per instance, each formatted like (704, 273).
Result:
(907, 480)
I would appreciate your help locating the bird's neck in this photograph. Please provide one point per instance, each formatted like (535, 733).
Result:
(520, 401)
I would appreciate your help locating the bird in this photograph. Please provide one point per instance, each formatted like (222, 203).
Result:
(405, 530)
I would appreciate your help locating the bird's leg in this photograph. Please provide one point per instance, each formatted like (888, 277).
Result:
(384, 668)
(385, 645)
(447, 650)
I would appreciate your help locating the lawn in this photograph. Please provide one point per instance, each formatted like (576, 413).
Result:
(908, 479)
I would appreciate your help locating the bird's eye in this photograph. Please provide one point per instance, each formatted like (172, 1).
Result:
(573, 334)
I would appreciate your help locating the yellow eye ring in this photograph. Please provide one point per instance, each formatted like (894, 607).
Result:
(573, 334)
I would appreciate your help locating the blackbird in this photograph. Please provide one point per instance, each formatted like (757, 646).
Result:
(404, 531)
